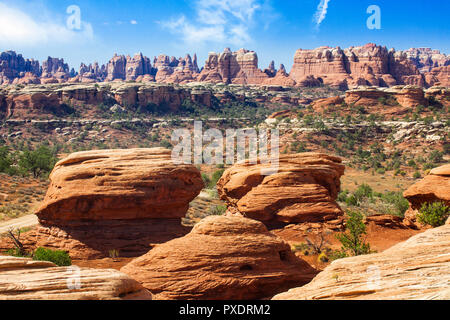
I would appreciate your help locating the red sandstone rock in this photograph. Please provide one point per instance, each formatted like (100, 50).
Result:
(434, 187)
(126, 200)
(119, 184)
(304, 189)
(222, 258)
(417, 269)
(25, 279)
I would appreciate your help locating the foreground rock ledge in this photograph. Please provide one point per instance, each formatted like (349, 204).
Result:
(222, 258)
(25, 279)
(416, 269)
(303, 190)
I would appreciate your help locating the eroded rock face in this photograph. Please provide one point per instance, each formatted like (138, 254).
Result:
(240, 67)
(222, 258)
(124, 200)
(303, 190)
(119, 184)
(25, 279)
(416, 269)
(370, 65)
(434, 187)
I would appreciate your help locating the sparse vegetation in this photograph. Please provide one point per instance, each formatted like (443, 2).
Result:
(353, 240)
(434, 214)
(58, 257)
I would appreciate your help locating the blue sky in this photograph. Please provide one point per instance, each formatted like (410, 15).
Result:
(274, 29)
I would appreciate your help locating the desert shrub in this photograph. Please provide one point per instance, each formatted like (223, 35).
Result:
(58, 257)
(5, 160)
(436, 157)
(342, 197)
(417, 175)
(352, 240)
(215, 177)
(218, 210)
(38, 161)
(363, 191)
(434, 214)
(447, 148)
(352, 200)
(398, 201)
(206, 179)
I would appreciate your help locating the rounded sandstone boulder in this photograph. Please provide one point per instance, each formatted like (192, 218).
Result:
(223, 257)
(304, 189)
(119, 184)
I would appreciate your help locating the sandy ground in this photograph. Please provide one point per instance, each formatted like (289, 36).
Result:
(19, 223)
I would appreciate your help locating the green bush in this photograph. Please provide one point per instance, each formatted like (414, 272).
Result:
(352, 240)
(434, 214)
(398, 201)
(38, 161)
(218, 210)
(58, 257)
(363, 191)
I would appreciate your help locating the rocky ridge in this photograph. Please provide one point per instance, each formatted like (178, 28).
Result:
(366, 65)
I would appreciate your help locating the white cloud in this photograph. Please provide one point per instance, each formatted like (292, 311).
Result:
(133, 22)
(321, 12)
(220, 21)
(19, 28)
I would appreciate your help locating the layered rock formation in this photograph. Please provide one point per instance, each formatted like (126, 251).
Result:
(366, 65)
(25, 279)
(239, 67)
(14, 66)
(122, 200)
(222, 258)
(434, 187)
(303, 190)
(418, 269)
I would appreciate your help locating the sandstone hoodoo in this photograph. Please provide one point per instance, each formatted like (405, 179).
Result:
(434, 187)
(221, 258)
(303, 190)
(116, 200)
(418, 269)
(25, 279)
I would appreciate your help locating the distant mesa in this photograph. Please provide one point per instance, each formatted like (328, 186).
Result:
(369, 65)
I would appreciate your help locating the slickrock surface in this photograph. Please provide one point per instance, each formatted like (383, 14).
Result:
(25, 279)
(303, 190)
(434, 187)
(222, 258)
(125, 200)
(416, 269)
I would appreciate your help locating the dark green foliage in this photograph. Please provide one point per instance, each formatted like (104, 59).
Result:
(218, 210)
(434, 214)
(353, 242)
(396, 199)
(58, 257)
(38, 161)
(363, 191)
(5, 160)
